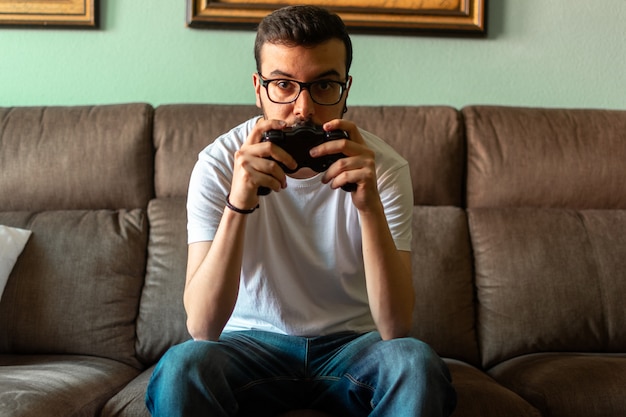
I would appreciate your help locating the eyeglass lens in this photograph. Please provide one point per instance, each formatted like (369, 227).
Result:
(322, 92)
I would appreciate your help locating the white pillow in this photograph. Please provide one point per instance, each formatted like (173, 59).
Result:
(12, 242)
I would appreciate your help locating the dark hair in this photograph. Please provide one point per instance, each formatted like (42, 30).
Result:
(301, 25)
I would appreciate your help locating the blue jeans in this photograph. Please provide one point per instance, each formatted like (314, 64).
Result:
(256, 373)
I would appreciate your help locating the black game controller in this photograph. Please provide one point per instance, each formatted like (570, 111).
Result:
(297, 141)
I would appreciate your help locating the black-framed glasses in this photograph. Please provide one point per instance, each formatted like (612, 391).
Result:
(285, 91)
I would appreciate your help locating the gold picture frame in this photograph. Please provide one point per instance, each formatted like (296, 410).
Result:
(463, 16)
(70, 13)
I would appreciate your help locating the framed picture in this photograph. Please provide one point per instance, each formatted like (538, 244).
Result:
(48, 12)
(360, 15)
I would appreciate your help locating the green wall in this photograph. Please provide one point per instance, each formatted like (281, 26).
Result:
(551, 53)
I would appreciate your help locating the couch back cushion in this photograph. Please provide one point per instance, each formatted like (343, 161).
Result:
(181, 131)
(549, 280)
(442, 279)
(76, 157)
(537, 157)
(162, 321)
(430, 138)
(75, 288)
(442, 275)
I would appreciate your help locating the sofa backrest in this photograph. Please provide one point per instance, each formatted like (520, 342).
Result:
(431, 138)
(181, 131)
(546, 195)
(533, 157)
(83, 157)
(80, 178)
(541, 237)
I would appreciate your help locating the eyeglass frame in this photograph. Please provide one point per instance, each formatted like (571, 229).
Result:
(265, 82)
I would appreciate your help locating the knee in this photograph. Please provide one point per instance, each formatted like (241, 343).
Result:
(408, 350)
(428, 374)
(414, 355)
(187, 359)
(182, 373)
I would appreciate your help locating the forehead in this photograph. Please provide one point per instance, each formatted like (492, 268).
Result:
(304, 61)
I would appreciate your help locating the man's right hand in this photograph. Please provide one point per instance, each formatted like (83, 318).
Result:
(252, 169)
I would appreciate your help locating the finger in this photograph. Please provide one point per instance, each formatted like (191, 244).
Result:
(336, 169)
(276, 153)
(346, 147)
(347, 180)
(262, 126)
(269, 182)
(273, 173)
(270, 150)
(254, 172)
(267, 172)
(347, 126)
(356, 169)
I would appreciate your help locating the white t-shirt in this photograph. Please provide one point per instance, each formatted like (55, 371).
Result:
(302, 271)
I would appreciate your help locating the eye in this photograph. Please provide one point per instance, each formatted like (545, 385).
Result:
(284, 85)
(325, 85)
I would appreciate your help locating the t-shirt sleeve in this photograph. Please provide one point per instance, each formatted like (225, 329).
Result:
(396, 192)
(209, 185)
(210, 181)
(203, 208)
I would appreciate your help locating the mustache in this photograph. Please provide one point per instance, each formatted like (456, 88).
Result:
(303, 122)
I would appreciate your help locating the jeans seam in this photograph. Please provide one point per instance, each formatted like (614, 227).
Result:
(263, 381)
(306, 369)
(359, 383)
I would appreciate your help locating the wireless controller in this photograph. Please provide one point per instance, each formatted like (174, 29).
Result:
(297, 141)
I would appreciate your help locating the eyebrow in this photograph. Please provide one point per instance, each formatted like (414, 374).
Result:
(279, 73)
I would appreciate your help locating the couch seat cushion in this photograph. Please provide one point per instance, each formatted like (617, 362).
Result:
(68, 386)
(130, 402)
(568, 385)
(478, 395)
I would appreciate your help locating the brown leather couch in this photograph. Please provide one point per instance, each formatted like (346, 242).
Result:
(519, 251)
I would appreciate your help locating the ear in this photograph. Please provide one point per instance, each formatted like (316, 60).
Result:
(345, 100)
(257, 89)
(348, 84)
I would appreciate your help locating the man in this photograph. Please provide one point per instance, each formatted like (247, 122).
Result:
(301, 298)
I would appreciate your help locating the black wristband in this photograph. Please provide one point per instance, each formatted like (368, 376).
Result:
(237, 209)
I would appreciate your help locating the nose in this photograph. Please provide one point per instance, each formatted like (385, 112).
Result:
(304, 107)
